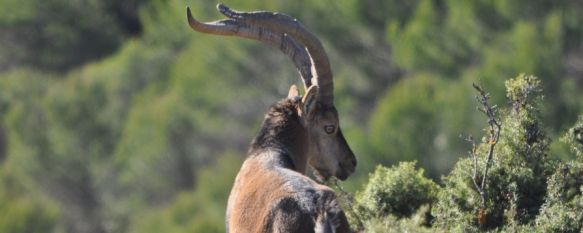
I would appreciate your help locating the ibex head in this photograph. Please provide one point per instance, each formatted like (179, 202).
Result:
(328, 151)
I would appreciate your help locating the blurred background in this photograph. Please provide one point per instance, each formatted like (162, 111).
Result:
(116, 117)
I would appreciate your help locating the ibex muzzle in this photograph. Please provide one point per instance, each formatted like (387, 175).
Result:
(329, 152)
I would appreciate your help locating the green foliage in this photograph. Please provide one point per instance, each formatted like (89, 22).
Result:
(415, 39)
(449, 38)
(395, 199)
(516, 186)
(60, 34)
(516, 182)
(410, 121)
(377, 13)
(421, 43)
(23, 213)
(201, 210)
(574, 139)
(187, 213)
(399, 191)
(563, 207)
(524, 92)
(405, 115)
(391, 224)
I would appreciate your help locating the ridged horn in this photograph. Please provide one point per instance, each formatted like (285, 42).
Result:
(232, 27)
(286, 24)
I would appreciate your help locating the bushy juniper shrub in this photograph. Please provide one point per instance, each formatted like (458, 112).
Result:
(563, 207)
(525, 190)
(393, 224)
(398, 191)
(574, 139)
(516, 183)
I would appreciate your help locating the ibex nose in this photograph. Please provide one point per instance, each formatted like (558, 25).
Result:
(350, 165)
(353, 163)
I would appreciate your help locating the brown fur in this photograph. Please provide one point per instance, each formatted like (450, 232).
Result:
(271, 193)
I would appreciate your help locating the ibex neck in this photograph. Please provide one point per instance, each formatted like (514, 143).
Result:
(282, 132)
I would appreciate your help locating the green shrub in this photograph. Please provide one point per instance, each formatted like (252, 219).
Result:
(574, 139)
(525, 191)
(399, 191)
(516, 183)
(563, 207)
(22, 210)
(392, 224)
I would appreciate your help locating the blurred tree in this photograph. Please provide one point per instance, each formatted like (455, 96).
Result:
(563, 207)
(405, 120)
(378, 13)
(126, 14)
(19, 210)
(410, 123)
(3, 144)
(61, 34)
(202, 210)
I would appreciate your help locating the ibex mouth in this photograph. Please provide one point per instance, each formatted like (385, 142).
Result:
(320, 175)
(323, 176)
(343, 174)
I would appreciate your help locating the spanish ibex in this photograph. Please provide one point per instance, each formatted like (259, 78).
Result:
(271, 192)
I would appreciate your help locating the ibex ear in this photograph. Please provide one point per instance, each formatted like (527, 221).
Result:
(293, 92)
(309, 102)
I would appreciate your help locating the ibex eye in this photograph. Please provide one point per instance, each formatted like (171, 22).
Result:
(329, 129)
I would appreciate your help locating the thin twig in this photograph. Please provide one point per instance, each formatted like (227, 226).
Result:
(472, 153)
(493, 137)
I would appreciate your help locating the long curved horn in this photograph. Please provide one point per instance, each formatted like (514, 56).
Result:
(285, 43)
(286, 24)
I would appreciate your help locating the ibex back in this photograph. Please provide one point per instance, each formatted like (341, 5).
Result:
(271, 192)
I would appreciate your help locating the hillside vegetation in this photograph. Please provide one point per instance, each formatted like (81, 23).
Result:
(116, 117)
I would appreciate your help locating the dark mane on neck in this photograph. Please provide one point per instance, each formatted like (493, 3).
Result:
(279, 126)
